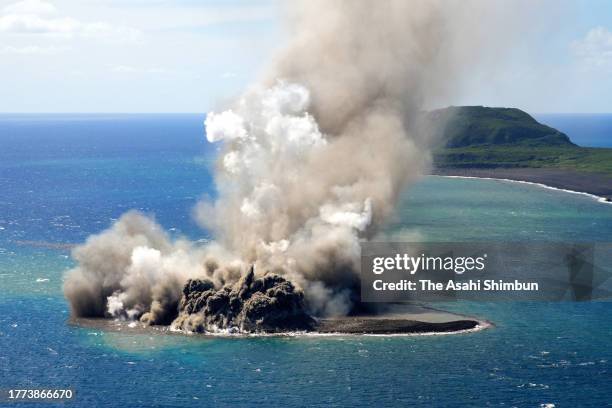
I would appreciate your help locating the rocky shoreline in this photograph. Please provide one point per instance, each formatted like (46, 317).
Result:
(595, 184)
(399, 319)
(341, 326)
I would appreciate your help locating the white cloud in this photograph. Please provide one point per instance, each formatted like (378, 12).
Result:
(32, 50)
(31, 23)
(128, 69)
(30, 7)
(595, 49)
(40, 17)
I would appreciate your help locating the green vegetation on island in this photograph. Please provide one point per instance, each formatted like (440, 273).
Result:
(582, 159)
(462, 126)
(488, 138)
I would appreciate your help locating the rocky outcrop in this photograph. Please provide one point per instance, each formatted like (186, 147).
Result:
(264, 304)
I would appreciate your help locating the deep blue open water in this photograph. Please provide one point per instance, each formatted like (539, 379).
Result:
(64, 177)
(584, 129)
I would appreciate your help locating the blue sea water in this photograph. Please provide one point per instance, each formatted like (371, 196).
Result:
(584, 129)
(63, 177)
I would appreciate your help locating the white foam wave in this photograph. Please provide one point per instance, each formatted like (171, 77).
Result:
(600, 199)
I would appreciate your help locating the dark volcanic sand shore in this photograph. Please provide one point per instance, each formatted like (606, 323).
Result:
(592, 183)
(405, 319)
(382, 325)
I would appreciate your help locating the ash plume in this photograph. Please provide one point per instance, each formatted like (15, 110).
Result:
(314, 157)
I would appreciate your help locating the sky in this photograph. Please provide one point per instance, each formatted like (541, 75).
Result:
(192, 56)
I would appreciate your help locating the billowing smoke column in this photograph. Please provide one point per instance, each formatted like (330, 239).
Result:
(313, 160)
(296, 200)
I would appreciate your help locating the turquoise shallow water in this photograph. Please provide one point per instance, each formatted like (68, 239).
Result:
(63, 178)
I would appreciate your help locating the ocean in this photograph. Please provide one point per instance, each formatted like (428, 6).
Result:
(584, 129)
(64, 177)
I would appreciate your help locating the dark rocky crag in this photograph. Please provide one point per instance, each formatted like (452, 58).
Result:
(265, 304)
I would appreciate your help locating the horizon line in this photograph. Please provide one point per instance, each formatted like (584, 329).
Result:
(206, 112)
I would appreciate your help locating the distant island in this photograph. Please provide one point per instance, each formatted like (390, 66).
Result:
(509, 143)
